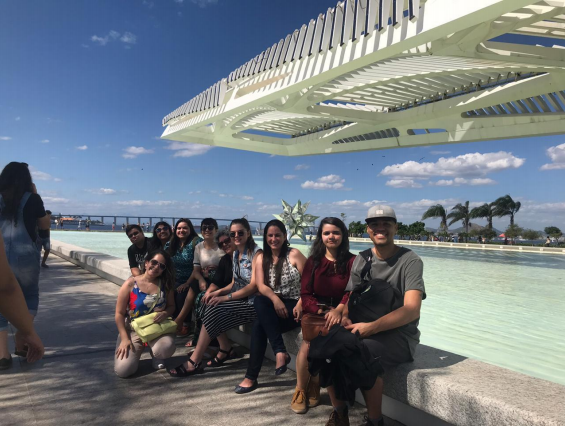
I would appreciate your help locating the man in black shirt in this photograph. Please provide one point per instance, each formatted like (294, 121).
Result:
(138, 250)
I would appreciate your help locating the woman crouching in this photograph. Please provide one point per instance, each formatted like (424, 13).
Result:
(151, 292)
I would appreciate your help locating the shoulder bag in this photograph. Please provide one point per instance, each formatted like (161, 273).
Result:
(146, 327)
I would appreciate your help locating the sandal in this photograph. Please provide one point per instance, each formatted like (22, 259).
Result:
(180, 371)
(216, 362)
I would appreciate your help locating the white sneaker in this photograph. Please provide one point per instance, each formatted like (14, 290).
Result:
(158, 364)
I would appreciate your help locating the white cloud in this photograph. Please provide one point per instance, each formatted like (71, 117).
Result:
(103, 191)
(39, 175)
(201, 3)
(185, 149)
(373, 203)
(45, 141)
(138, 203)
(557, 156)
(5, 138)
(128, 38)
(467, 165)
(301, 167)
(463, 181)
(440, 152)
(55, 200)
(82, 147)
(403, 183)
(325, 182)
(134, 151)
(246, 197)
(270, 207)
(347, 203)
(289, 177)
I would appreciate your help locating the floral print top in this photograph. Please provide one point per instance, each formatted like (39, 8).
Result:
(242, 270)
(140, 303)
(184, 261)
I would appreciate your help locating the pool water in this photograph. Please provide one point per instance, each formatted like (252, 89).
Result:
(503, 308)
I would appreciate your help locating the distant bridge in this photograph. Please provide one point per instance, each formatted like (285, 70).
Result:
(381, 74)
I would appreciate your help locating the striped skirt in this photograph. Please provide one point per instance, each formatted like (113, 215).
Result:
(227, 315)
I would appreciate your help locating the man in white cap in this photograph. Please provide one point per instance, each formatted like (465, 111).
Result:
(392, 338)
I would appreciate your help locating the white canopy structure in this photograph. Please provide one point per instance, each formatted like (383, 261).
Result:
(381, 74)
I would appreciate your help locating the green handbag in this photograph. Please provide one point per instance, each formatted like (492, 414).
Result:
(148, 330)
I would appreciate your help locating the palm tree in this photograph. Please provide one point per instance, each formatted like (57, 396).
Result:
(506, 206)
(485, 211)
(461, 212)
(437, 211)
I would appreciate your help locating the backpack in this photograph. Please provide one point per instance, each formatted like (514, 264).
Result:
(373, 298)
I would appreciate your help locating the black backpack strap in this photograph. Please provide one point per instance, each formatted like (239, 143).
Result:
(368, 256)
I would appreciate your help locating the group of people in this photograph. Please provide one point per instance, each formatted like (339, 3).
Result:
(229, 281)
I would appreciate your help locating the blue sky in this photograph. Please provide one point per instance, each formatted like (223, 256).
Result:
(84, 86)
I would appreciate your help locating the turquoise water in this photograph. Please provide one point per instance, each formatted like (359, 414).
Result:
(498, 307)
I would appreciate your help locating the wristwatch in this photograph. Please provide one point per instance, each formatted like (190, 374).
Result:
(229, 296)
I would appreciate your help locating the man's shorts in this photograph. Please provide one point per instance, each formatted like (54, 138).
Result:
(391, 347)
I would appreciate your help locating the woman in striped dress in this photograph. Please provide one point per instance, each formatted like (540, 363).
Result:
(230, 306)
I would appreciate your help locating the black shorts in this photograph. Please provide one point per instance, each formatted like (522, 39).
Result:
(391, 347)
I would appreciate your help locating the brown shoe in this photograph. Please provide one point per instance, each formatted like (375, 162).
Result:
(299, 402)
(313, 391)
(337, 419)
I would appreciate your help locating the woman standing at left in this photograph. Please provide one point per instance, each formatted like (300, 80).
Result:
(21, 213)
(181, 249)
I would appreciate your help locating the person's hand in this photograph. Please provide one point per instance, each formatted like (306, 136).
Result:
(280, 308)
(332, 317)
(182, 287)
(297, 312)
(124, 348)
(202, 284)
(364, 329)
(207, 296)
(345, 321)
(161, 316)
(216, 300)
(35, 349)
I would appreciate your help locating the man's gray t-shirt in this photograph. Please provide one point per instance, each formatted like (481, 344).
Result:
(403, 271)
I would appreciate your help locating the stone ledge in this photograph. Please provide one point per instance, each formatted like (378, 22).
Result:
(438, 388)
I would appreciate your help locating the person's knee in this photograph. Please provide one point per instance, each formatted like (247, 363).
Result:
(164, 348)
(261, 304)
(125, 369)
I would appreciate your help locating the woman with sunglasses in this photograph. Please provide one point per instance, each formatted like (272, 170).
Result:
(207, 256)
(230, 306)
(152, 291)
(278, 281)
(325, 277)
(162, 233)
(181, 249)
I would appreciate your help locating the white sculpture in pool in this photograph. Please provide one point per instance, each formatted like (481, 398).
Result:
(295, 218)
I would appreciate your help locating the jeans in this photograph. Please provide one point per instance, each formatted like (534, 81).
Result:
(268, 325)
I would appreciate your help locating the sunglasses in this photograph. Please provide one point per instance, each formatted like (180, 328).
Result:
(223, 242)
(159, 230)
(133, 234)
(154, 262)
(208, 227)
(238, 233)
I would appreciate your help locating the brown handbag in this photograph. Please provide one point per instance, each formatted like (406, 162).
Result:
(313, 325)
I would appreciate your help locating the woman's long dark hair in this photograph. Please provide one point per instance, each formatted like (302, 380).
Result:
(268, 254)
(318, 249)
(174, 245)
(168, 275)
(15, 181)
(250, 244)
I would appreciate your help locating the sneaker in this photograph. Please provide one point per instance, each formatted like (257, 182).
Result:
(183, 332)
(298, 404)
(337, 419)
(368, 422)
(313, 391)
(5, 363)
(158, 364)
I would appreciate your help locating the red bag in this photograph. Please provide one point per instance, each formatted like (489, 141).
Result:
(313, 325)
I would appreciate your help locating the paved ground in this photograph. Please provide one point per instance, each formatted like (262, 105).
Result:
(75, 384)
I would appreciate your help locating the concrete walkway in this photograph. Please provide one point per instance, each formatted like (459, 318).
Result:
(75, 384)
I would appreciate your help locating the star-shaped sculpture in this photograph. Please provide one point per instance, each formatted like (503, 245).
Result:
(295, 218)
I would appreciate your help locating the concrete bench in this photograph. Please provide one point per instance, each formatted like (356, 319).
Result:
(438, 388)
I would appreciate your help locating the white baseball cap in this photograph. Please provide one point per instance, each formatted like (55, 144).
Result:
(379, 211)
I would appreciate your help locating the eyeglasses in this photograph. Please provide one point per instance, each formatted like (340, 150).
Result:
(133, 234)
(240, 233)
(223, 242)
(154, 262)
(208, 227)
(159, 230)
